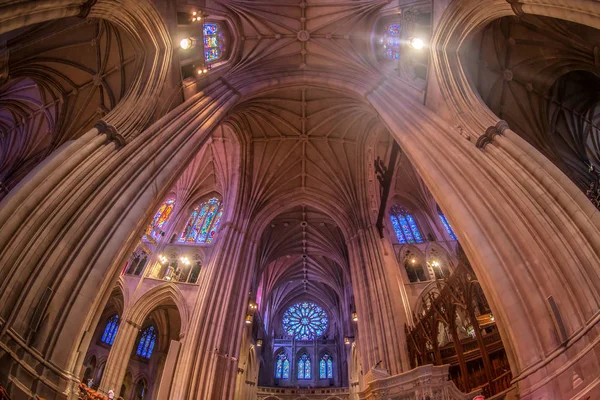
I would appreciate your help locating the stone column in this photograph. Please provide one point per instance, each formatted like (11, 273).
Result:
(119, 356)
(530, 234)
(74, 221)
(209, 366)
(381, 317)
(169, 370)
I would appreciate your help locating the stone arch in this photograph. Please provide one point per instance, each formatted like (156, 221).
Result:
(528, 349)
(161, 294)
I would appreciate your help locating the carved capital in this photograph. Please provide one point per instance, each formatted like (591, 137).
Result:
(490, 133)
(111, 133)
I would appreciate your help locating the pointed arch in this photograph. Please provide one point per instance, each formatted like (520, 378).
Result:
(282, 364)
(405, 225)
(303, 365)
(160, 295)
(326, 366)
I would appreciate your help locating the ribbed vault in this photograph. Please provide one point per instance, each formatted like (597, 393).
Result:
(65, 75)
(302, 257)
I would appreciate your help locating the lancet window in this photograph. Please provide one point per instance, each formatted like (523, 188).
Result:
(214, 42)
(304, 367)
(282, 367)
(405, 225)
(203, 222)
(446, 224)
(326, 367)
(110, 331)
(155, 230)
(147, 342)
(391, 41)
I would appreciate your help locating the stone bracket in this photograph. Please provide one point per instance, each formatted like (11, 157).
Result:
(490, 134)
(111, 133)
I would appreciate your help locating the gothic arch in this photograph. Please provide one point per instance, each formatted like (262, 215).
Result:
(157, 296)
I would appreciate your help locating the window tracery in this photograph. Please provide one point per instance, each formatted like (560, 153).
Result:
(391, 41)
(110, 331)
(304, 367)
(147, 342)
(203, 222)
(405, 225)
(305, 321)
(214, 42)
(282, 367)
(326, 367)
(155, 230)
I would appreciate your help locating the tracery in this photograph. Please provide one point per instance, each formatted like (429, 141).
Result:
(305, 321)
(203, 222)
(405, 225)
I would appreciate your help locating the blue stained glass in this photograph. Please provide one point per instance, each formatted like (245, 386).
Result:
(147, 341)
(286, 369)
(414, 228)
(110, 331)
(326, 367)
(210, 29)
(282, 368)
(405, 226)
(304, 370)
(305, 321)
(447, 226)
(214, 43)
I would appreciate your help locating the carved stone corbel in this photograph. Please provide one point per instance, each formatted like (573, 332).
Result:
(111, 133)
(490, 134)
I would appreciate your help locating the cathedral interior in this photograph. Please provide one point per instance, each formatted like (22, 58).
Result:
(299, 199)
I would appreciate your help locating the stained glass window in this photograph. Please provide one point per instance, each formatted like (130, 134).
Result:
(305, 321)
(391, 41)
(147, 342)
(405, 225)
(110, 331)
(160, 219)
(447, 225)
(304, 370)
(203, 222)
(214, 42)
(326, 367)
(282, 367)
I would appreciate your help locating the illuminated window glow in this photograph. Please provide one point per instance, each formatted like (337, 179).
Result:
(304, 367)
(214, 42)
(110, 331)
(282, 367)
(391, 41)
(147, 342)
(326, 367)
(305, 321)
(203, 222)
(404, 225)
(160, 219)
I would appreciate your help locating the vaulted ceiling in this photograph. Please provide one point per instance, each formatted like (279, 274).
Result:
(64, 76)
